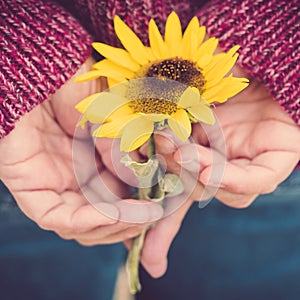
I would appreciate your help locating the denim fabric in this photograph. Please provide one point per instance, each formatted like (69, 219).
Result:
(224, 253)
(38, 265)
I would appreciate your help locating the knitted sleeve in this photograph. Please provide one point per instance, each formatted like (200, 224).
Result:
(269, 35)
(41, 47)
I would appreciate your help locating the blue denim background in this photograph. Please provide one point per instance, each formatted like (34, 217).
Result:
(224, 253)
(38, 265)
(220, 253)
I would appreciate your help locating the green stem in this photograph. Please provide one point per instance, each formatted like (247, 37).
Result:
(132, 263)
(133, 259)
(151, 146)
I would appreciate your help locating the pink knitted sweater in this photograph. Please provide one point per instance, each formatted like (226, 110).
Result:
(44, 42)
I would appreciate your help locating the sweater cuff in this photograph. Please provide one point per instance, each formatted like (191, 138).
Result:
(42, 46)
(269, 36)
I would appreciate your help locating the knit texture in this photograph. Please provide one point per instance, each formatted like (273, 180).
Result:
(42, 46)
(269, 35)
(97, 15)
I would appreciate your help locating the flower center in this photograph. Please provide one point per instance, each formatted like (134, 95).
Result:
(178, 69)
(160, 96)
(153, 106)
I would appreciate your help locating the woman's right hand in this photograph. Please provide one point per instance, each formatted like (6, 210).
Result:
(36, 166)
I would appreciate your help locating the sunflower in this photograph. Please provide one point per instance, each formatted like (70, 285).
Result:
(187, 59)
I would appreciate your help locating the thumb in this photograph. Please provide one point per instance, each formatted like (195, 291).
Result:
(158, 242)
(205, 164)
(166, 144)
(193, 157)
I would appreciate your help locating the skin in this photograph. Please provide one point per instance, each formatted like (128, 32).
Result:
(262, 150)
(36, 166)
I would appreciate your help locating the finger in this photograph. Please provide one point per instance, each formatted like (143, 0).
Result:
(111, 156)
(158, 241)
(139, 211)
(235, 200)
(67, 212)
(260, 176)
(166, 143)
(105, 188)
(102, 232)
(130, 211)
(281, 136)
(111, 236)
(193, 157)
(128, 243)
(239, 176)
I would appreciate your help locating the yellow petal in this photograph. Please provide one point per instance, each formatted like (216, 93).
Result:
(107, 64)
(204, 60)
(189, 97)
(112, 82)
(208, 47)
(180, 123)
(117, 55)
(114, 129)
(173, 35)
(227, 88)
(190, 40)
(233, 50)
(136, 133)
(112, 73)
(202, 113)
(103, 106)
(215, 60)
(82, 122)
(221, 68)
(130, 41)
(213, 91)
(88, 76)
(232, 87)
(156, 117)
(120, 89)
(83, 104)
(201, 34)
(157, 43)
(120, 112)
(150, 54)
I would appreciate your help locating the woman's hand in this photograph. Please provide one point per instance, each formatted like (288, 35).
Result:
(36, 165)
(262, 149)
(262, 146)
